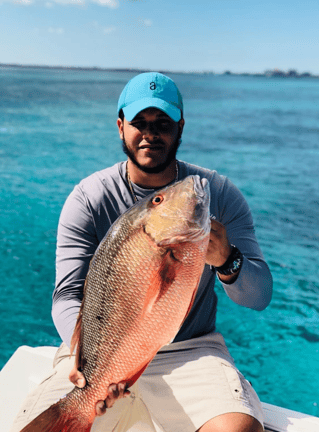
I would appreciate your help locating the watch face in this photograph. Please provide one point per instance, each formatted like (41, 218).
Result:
(236, 264)
(233, 264)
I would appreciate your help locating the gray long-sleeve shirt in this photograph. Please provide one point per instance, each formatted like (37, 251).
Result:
(101, 198)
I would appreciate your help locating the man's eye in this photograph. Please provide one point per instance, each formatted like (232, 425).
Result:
(164, 125)
(139, 125)
(160, 125)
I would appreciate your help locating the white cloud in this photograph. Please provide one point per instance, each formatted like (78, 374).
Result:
(23, 2)
(148, 22)
(94, 24)
(56, 30)
(109, 30)
(70, 2)
(112, 4)
(101, 29)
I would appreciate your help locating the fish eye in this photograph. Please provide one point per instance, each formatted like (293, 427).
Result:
(157, 199)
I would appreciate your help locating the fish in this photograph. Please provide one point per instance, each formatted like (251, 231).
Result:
(140, 286)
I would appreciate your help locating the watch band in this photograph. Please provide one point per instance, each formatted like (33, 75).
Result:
(233, 263)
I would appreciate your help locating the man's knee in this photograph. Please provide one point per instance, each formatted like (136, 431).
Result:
(232, 422)
(55, 385)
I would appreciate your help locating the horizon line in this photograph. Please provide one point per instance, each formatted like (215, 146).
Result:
(267, 72)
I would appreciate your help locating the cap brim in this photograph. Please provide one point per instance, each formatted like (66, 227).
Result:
(134, 108)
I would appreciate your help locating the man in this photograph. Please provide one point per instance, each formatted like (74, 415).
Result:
(192, 384)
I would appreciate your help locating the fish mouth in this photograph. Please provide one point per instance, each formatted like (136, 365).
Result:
(202, 192)
(201, 187)
(189, 236)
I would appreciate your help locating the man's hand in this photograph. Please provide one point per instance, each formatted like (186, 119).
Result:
(115, 391)
(219, 250)
(219, 247)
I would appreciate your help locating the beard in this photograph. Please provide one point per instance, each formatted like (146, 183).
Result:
(160, 167)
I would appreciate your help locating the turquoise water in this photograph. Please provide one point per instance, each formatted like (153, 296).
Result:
(58, 126)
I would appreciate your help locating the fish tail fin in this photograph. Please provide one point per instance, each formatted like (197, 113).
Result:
(56, 420)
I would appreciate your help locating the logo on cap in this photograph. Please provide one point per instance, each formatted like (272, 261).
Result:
(152, 85)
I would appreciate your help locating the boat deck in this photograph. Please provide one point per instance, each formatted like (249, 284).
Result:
(28, 366)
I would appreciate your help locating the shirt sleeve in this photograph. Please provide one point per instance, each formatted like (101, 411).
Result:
(76, 244)
(253, 286)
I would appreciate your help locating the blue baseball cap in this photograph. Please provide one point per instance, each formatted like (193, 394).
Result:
(151, 90)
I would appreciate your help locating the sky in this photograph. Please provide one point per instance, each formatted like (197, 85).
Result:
(175, 35)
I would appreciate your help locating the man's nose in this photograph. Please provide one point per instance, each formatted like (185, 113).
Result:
(150, 130)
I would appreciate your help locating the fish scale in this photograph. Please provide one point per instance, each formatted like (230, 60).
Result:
(139, 289)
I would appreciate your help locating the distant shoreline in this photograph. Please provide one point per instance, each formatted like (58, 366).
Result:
(268, 73)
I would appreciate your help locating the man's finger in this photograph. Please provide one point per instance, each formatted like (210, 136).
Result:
(115, 392)
(215, 225)
(112, 390)
(121, 387)
(100, 408)
(77, 378)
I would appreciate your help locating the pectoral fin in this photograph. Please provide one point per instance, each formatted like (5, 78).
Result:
(160, 280)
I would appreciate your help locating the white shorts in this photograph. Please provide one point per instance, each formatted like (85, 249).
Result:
(186, 384)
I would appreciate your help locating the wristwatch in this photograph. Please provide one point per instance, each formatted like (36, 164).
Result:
(233, 263)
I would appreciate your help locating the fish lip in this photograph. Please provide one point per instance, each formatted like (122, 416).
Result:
(189, 236)
(201, 187)
(202, 192)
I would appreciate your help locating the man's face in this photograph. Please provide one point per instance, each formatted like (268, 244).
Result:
(151, 139)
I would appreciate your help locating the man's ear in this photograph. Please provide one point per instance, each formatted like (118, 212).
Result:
(181, 124)
(120, 125)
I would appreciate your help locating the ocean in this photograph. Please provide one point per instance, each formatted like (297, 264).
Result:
(59, 126)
